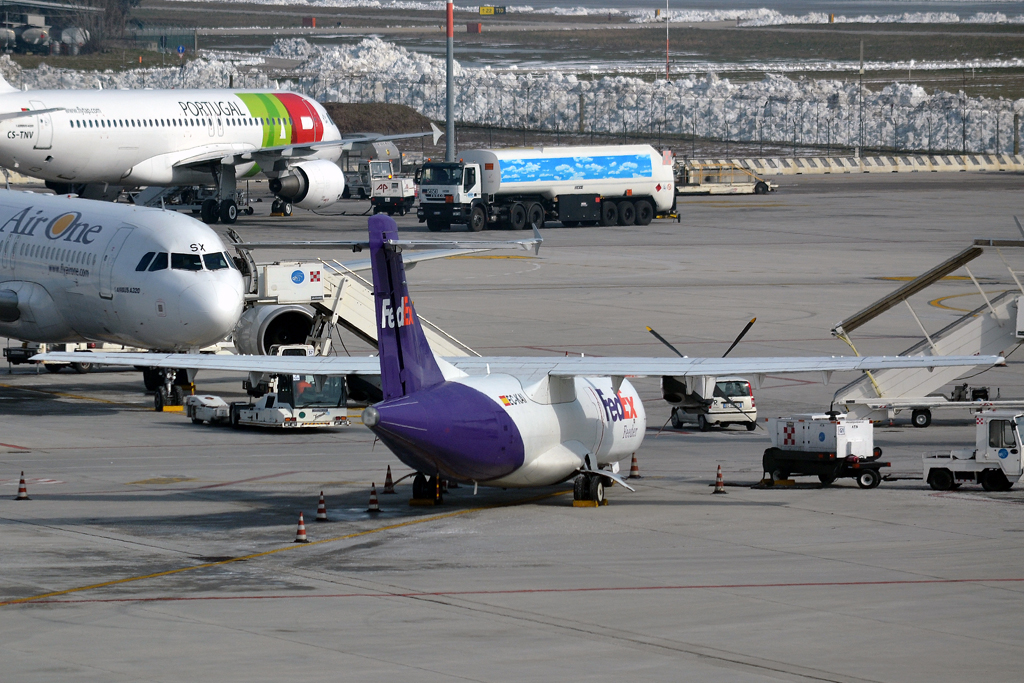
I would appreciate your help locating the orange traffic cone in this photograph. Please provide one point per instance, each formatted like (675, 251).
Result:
(374, 507)
(22, 491)
(634, 469)
(321, 509)
(300, 534)
(389, 485)
(719, 484)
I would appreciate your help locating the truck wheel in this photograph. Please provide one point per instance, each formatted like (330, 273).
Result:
(826, 479)
(53, 367)
(361, 193)
(437, 226)
(81, 368)
(921, 418)
(702, 423)
(534, 216)
(644, 212)
(346, 193)
(627, 213)
(609, 213)
(869, 479)
(940, 479)
(761, 188)
(517, 216)
(477, 219)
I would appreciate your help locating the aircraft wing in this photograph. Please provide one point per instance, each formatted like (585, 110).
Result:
(528, 366)
(266, 156)
(28, 112)
(572, 366)
(296, 365)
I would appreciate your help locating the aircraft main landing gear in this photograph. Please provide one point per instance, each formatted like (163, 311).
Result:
(588, 488)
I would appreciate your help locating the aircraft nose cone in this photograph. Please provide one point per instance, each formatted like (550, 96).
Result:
(209, 311)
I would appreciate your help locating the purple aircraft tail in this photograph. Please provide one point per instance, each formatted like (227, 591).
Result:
(407, 364)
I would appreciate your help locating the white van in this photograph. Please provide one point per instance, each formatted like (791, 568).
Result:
(732, 403)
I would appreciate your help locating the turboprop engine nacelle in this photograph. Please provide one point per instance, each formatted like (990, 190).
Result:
(260, 327)
(311, 184)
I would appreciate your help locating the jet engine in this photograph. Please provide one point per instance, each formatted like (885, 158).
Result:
(311, 184)
(260, 327)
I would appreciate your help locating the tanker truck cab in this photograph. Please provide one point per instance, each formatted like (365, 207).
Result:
(994, 462)
(450, 193)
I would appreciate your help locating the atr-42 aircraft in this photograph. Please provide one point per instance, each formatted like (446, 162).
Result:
(168, 138)
(505, 421)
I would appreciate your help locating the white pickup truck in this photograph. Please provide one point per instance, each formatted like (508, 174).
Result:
(994, 462)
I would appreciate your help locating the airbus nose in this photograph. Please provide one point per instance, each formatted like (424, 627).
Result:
(210, 310)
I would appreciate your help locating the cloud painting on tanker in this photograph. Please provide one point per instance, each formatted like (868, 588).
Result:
(575, 168)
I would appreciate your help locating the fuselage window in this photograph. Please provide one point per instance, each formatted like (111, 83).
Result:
(159, 262)
(132, 122)
(215, 261)
(90, 123)
(186, 262)
(144, 263)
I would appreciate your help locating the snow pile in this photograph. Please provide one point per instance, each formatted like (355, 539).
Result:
(289, 48)
(775, 109)
(769, 17)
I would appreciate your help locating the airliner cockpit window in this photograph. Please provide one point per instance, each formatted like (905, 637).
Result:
(144, 263)
(186, 262)
(231, 261)
(159, 262)
(215, 261)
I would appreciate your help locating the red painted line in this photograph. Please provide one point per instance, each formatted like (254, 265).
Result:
(11, 445)
(523, 591)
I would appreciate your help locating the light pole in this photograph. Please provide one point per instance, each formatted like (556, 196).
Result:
(449, 106)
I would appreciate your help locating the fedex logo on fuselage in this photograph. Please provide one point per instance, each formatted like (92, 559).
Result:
(398, 317)
(618, 406)
(67, 226)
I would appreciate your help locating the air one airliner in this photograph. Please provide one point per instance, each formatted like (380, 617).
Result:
(76, 270)
(504, 421)
(167, 138)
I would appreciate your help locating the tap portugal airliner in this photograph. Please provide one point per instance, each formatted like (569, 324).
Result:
(169, 138)
(81, 270)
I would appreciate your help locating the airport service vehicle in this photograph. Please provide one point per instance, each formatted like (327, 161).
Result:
(517, 188)
(700, 177)
(281, 401)
(994, 462)
(828, 446)
(732, 403)
(391, 193)
(502, 421)
(171, 138)
(357, 182)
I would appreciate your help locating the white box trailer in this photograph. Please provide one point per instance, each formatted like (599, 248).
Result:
(518, 188)
(994, 462)
(828, 446)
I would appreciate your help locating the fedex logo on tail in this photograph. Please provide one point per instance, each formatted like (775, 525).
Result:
(395, 317)
(618, 406)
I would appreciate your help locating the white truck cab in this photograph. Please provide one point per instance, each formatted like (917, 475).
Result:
(994, 462)
(391, 193)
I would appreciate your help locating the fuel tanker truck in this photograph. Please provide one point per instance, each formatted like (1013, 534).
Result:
(519, 188)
